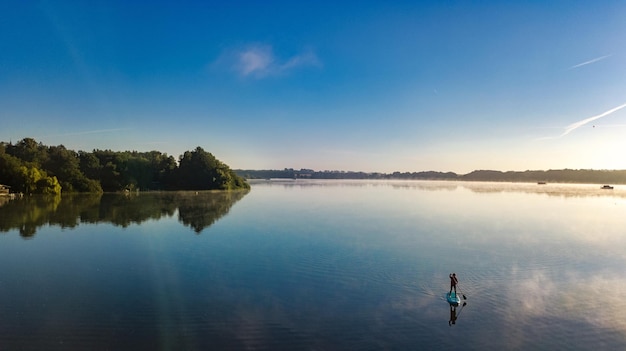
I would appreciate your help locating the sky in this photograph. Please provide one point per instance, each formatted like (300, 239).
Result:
(373, 86)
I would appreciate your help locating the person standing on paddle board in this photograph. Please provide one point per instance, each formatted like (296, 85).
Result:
(453, 282)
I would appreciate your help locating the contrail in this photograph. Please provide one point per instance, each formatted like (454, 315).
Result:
(590, 61)
(579, 124)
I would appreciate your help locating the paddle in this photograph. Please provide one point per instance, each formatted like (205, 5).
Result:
(464, 297)
(461, 309)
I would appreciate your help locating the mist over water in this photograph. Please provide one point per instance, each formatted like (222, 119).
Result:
(330, 265)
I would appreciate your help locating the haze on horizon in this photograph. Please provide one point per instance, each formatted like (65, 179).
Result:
(368, 86)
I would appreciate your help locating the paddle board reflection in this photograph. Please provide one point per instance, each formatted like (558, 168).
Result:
(454, 314)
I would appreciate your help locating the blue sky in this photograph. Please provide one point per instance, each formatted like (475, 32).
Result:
(362, 86)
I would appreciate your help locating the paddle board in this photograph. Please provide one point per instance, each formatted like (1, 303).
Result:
(453, 299)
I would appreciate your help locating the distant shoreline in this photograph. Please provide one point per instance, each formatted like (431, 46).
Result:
(565, 176)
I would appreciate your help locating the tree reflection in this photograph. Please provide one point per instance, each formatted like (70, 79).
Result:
(197, 210)
(204, 209)
(29, 213)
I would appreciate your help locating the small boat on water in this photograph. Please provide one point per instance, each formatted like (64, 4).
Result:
(607, 187)
(541, 183)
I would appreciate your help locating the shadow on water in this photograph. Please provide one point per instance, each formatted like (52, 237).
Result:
(197, 210)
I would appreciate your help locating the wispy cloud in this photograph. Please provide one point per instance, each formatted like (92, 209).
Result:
(590, 61)
(570, 128)
(99, 131)
(259, 61)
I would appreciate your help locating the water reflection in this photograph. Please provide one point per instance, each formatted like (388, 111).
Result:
(559, 190)
(454, 313)
(541, 296)
(197, 210)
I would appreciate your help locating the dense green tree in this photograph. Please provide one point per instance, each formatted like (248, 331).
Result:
(65, 165)
(196, 170)
(36, 181)
(138, 173)
(48, 186)
(28, 150)
(163, 168)
(10, 171)
(109, 170)
(21, 168)
(89, 164)
(31, 167)
(110, 178)
(200, 170)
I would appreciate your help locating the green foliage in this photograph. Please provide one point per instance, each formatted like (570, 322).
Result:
(28, 150)
(10, 171)
(65, 165)
(32, 167)
(89, 164)
(48, 186)
(200, 170)
(36, 181)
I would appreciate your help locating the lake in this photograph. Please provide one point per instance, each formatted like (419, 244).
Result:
(317, 265)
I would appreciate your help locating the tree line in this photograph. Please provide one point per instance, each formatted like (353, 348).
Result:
(587, 176)
(30, 167)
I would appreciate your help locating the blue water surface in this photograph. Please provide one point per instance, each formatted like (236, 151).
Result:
(320, 265)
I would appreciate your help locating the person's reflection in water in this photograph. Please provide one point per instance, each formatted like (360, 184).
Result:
(452, 315)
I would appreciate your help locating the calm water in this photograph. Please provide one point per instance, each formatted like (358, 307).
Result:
(317, 265)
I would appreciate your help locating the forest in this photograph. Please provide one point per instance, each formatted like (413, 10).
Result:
(30, 167)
